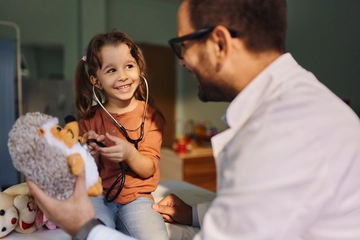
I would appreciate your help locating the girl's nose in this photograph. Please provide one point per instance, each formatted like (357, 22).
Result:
(121, 76)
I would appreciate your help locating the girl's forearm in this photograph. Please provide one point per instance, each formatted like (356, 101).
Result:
(142, 165)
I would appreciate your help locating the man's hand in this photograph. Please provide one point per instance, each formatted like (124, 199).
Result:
(174, 210)
(70, 214)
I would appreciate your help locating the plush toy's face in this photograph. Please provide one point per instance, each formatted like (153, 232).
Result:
(8, 215)
(69, 134)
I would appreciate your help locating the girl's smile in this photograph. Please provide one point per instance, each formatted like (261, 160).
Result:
(124, 88)
(119, 76)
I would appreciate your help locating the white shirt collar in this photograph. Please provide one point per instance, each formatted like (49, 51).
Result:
(252, 97)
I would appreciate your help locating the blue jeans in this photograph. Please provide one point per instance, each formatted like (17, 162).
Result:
(136, 218)
(102, 212)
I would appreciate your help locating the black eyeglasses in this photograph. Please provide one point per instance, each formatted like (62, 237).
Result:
(176, 43)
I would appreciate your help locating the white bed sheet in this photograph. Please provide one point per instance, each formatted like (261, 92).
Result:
(191, 194)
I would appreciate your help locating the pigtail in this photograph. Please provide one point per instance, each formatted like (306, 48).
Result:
(83, 92)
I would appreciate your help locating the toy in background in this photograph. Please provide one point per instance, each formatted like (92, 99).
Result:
(41, 221)
(51, 156)
(197, 134)
(17, 210)
(181, 146)
(200, 132)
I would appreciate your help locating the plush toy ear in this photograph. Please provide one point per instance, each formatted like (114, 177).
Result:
(69, 119)
(41, 132)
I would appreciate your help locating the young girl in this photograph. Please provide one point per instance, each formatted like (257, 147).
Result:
(124, 132)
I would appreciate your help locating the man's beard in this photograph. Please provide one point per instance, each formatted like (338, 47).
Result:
(204, 94)
(203, 74)
(211, 88)
(214, 93)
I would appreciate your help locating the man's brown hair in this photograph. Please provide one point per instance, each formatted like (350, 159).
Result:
(261, 24)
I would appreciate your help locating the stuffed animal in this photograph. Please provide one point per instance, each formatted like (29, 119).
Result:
(41, 221)
(17, 210)
(51, 155)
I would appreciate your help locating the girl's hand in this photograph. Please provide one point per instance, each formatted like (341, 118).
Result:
(122, 150)
(93, 147)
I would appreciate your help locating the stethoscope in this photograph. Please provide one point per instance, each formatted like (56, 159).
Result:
(121, 178)
(121, 127)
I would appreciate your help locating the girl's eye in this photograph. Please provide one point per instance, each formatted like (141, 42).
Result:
(111, 70)
(129, 66)
(58, 128)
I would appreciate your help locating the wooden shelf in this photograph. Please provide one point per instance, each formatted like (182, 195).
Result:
(196, 167)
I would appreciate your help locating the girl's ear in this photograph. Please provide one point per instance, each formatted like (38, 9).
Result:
(95, 82)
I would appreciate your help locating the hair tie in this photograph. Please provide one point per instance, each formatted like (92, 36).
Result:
(83, 58)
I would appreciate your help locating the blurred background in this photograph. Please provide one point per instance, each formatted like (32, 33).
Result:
(323, 36)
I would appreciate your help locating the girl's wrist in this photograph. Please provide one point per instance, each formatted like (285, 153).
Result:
(133, 154)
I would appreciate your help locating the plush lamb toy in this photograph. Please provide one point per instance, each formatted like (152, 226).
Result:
(17, 210)
(51, 155)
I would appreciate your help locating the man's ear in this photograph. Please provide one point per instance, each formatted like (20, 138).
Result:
(222, 40)
(95, 82)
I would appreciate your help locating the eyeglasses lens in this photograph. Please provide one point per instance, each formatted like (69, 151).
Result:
(177, 49)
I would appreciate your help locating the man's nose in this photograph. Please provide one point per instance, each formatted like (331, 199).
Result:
(182, 62)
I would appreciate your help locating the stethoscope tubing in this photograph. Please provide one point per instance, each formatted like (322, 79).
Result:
(121, 178)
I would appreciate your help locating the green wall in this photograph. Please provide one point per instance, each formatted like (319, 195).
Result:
(323, 36)
(45, 23)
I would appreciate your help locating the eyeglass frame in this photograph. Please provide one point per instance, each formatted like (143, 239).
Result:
(193, 36)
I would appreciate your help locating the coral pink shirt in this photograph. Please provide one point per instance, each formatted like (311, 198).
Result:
(150, 145)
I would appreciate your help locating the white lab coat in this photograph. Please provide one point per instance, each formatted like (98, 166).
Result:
(288, 167)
